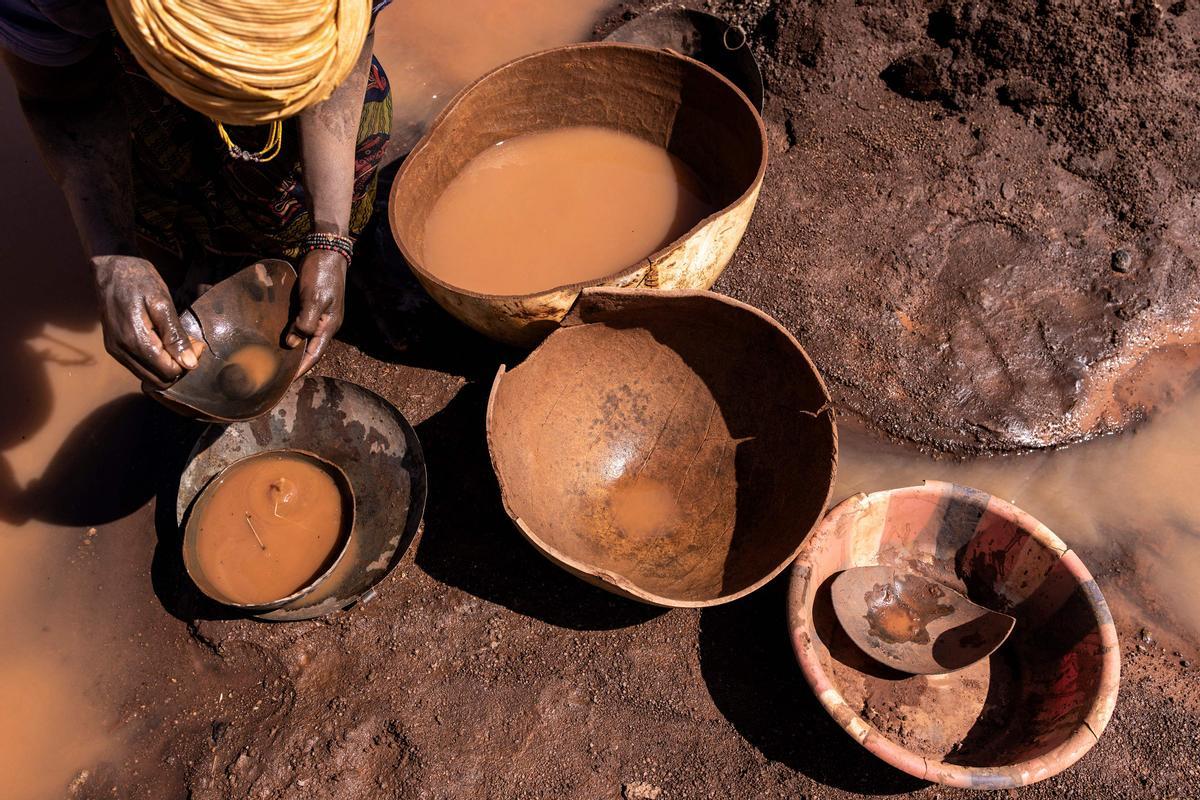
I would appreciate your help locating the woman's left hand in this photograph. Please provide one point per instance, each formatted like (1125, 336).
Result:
(322, 300)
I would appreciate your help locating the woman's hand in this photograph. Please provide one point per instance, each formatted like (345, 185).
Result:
(141, 328)
(328, 136)
(322, 301)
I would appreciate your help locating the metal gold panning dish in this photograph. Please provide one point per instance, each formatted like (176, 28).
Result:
(702, 36)
(191, 532)
(914, 624)
(1027, 712)
(365, 437)
(244, 368)
(661, 97)
(671, 447)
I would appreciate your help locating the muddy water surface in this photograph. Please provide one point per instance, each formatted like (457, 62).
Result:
(644, 507)
(432, 48)
(557, 208)
(248, 371)
(270, 527)
(55, 720)
(61, 392)
(1131, 498)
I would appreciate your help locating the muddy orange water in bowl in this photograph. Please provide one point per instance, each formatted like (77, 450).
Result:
(272, 525)
(248, 370)
(559, 207)
(645, 507)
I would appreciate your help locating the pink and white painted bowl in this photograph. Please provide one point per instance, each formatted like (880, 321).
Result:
(1030, 710)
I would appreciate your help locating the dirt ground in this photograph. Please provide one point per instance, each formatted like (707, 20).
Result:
(980, 215)
(949, 190)
(483, 671)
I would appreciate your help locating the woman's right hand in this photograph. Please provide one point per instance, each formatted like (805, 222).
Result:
(141, 328)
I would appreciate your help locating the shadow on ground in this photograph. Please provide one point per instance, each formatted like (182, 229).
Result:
(104, 470)
(747, 662)
(176, 436)
(390, 317)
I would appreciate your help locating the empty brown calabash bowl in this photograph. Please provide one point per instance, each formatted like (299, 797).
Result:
(672, 447)
(664, 98)
(244, 368)
(1025, 713)
(191, 532)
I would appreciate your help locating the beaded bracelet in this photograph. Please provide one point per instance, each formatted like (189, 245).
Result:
(331, 242)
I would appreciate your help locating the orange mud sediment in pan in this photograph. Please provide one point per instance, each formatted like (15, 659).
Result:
(272, 525)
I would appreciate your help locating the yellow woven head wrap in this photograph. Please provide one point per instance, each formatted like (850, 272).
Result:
(245, 62)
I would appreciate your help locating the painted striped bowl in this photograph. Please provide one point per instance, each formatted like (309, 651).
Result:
(1027, 712)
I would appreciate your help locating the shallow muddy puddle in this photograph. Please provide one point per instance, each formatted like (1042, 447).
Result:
(54, 720)
(1121, 500)
(430, 49)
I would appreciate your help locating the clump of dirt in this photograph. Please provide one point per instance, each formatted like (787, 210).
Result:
(979, 216)
(1089, 75)
(937, 716)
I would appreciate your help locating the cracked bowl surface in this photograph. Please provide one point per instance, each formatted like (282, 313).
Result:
(1030, 710)
(670, 447)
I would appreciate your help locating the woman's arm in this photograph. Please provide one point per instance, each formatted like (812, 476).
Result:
(329, 138)
(80, 128)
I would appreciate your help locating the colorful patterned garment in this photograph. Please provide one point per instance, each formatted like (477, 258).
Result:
(198, 202)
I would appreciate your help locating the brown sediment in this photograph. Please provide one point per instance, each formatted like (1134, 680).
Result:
(560, 207)
(268, 527)
(899, 614)
(643, 507)
(930, 714)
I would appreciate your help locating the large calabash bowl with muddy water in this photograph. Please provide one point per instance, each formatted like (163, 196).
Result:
(670, 447)
(662, 98)
(1031, 709)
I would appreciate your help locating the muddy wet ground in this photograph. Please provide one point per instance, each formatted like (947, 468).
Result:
(948, 262)
(483, 671)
